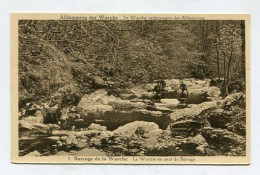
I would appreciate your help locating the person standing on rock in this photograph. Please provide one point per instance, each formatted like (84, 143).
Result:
(159, 87)
(183, 88)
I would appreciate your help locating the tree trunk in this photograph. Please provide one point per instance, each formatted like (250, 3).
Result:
(217, 53)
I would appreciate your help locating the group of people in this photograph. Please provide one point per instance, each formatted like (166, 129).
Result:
(159, 88)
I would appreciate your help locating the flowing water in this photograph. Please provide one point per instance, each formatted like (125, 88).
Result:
(112, 120)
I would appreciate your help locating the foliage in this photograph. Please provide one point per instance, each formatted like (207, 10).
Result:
(56, 53)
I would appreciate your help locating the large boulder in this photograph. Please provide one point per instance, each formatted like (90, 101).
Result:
(234, 100)
(192, 112)
(162, 107)
(127, 105)
(33, 127)
(138, 127)
(124, 94)
(148, 131)
(185, 128)
(170, 102)
(238, 124)
(96, 101)
(201, 142)
(98, 82)
(227, 142)
(98, 127)
(218, 118)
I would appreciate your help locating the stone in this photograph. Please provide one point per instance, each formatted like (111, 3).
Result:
(130, 128)
(64, 114)
(95, 141)
(126, 94)
(127, 105)
(170, 102)
(59, 133)
(106, 135)
(162, 107)
(81, 145)
(190, 113)
(94, 126)
(98, 82)
(201, 142)
(148, 96)
(32, 126)
(53, 126)
(218, 118)
(56, 138)
(237, 99)
(184, 128)
(96, 101)
(34, 153)
(148, 112)
(225, 141)
(71, 140)
(86, 133)
(79, 120)
(147, 131)
(63, 138)
(59, 144)
(37, 117)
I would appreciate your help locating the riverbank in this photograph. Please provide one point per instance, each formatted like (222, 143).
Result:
(135, 121)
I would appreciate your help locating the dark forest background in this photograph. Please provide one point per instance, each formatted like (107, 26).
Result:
(74, 57)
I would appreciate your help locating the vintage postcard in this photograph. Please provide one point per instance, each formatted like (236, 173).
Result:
(130, 88)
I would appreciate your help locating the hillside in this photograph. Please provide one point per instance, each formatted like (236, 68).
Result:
(87, 55)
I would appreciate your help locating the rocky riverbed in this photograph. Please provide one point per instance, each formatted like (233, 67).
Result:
(136, 121)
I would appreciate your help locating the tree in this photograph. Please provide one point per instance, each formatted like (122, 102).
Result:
(228, 42)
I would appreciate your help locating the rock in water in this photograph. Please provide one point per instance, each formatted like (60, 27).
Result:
(131, 128)
(98, 127)
(170, 102)
(162, 107)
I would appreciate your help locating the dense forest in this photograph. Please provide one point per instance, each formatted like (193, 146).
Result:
(128, 52)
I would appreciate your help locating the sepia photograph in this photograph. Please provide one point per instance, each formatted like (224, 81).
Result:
(131, 89)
